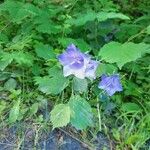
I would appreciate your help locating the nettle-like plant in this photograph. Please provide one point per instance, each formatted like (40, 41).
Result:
(80, 71)
(31, 36)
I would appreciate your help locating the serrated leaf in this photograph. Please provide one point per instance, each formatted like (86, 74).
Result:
(81, 19)
(14, 112)
(54, 83)
(44, 51)
(81, 116)
(120, 54)
(130, 107)
(10, 84)
(60, 115)
(23, 58)
(102, 16)
(80, 85)
(48, 27)
(6, 59)
(18, 11)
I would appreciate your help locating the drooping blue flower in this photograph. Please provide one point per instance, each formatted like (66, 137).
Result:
(110, 84)
(77, 63)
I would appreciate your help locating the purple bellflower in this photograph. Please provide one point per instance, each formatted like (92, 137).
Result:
(77, 63)
(91, 69)
(110, 84)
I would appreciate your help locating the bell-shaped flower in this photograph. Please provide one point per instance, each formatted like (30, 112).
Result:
(77, 63)
(110, 84)
(90, 71)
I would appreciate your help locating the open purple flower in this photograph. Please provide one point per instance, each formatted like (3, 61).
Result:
(74, 62)
(77, 63)
(91, 69)
(110, 84)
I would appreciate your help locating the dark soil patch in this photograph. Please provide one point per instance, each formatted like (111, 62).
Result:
(12, 139)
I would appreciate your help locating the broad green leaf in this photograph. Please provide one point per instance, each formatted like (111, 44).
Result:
(10, 84)
(52, 84)
(5, 60)
(102, 16)
(18, 11)
(36, 70)
(55, 70)
(130, 107)
(48, 27)
(44, 51)
(81, 19)
(20, 42)
(80, 85)
(23, 58)
(105, 69)
(80, 43)
(120, 54)
(14, 112)
(60, 115)
(81, 116)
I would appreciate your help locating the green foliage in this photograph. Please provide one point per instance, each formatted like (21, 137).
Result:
(60, 115)
(148, 30)
(10, 84)
(80, 85)
(120, 54)
(44, 51)
(14, 112)
(117, 33)
(81, 113)
(54, 83)
(131, 107)
(82, 19)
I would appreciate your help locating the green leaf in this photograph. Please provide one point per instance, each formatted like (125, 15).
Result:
(80, 85)
(6, 59)
(148, 30)
(10, 84)
(14, 112)
(120, 54)
(18, 11)
(60, 115)
(102, 16)
(105, 69)
(3, 105)
(82, 19)
(81, 115)
(52, 84)
(33, 109)
(130, 107)
(44, 51)
(48, 27)
(80, 43)
(23, 58)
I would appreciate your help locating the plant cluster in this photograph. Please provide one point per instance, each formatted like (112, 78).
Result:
(100, 82)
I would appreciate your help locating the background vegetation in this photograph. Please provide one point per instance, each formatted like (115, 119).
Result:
(34, 32)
